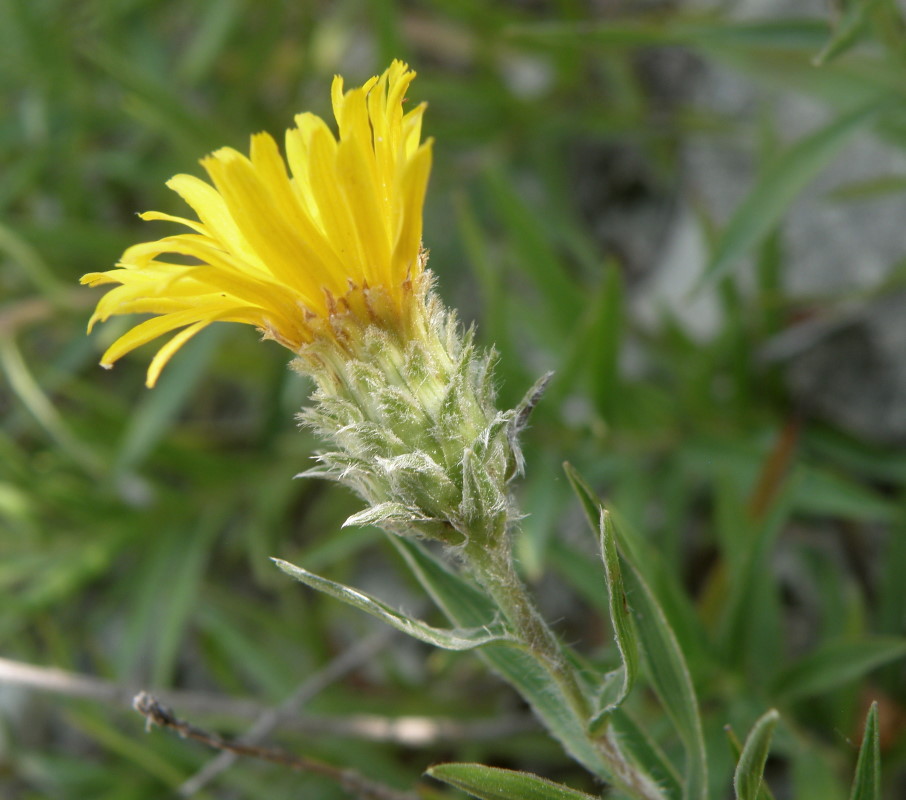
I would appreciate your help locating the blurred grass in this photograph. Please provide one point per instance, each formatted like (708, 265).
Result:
(135, 526)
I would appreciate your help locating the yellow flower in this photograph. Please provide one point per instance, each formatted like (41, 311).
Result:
(286, 252)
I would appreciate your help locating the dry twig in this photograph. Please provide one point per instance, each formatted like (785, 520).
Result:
(364, 788)
(271, 718)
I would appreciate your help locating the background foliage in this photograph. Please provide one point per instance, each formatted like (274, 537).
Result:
(574, 143)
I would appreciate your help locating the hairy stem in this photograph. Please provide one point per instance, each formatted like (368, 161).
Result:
(496, 572)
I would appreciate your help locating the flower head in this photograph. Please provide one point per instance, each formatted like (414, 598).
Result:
(339, 234)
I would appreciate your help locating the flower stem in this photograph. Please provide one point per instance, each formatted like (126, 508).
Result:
(495, 570)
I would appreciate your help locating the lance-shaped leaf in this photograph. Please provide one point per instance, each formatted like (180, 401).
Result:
(673, 599)
(620, 618)
(671, 680)
(643, 750)
(456, 639)
(493, 783)
(667, 668)
(867, 783)
(749, 773)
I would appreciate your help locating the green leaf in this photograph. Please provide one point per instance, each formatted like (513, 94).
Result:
(819, 491)
(180, 600)
(664, 658)
(590, 504)
(750, 769)
(535, 254)
(620, 618)
(579, 572)
(644, 751)
(21, 254)
(458, 639)
(847, 31)
(682, 616)
(747, 543)
(776, 189)
(493, 783)
(148, 90)
(875, 187)
(20, 379)
(211, 36)
(670, 679)
(813, 773)
(836, 664)
(592, 348)
(491, 279)
(786, 34)
(867, 782)
(465, 605)
(603, 346)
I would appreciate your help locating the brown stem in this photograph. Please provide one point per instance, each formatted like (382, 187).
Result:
(157, 714)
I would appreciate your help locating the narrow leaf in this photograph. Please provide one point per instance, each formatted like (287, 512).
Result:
(671, 680)
(536, 256)
(836, 664)
(867, 783)
(597, 363)
(786, 34)
(458, 639)
(750, 768)
(643, 750)
(776, 189)
(813, 774)
(620, 618)
(491, 280)
(493, 783)
(847, 32)
(664, 657)
(590, 504)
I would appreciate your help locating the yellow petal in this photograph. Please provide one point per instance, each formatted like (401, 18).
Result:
(285, 244)
(162, 356)
(144, 332)
(414, 186)
(214, 215)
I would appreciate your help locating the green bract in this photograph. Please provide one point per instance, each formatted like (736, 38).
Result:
(413, 428)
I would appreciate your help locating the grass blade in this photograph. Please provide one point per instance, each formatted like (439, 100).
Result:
(776, 189)
(867, 783)
(848, 31)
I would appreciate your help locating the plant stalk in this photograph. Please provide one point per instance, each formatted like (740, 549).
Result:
(496, 572)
